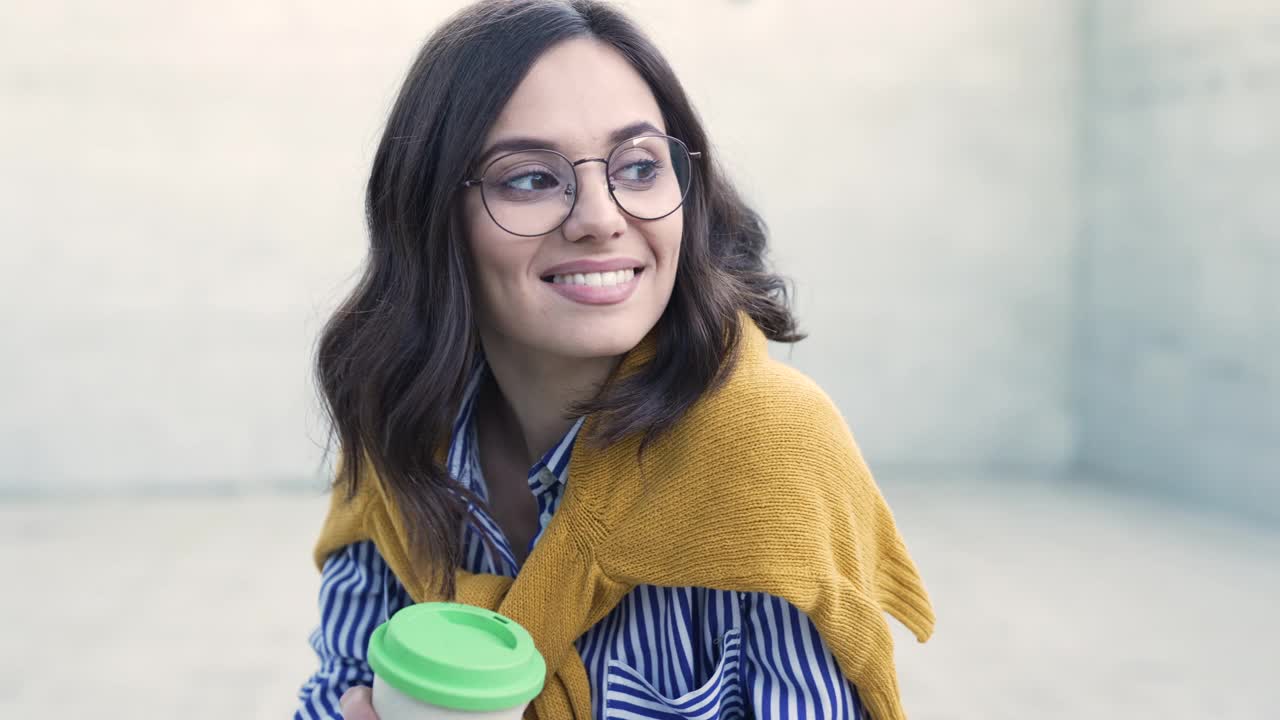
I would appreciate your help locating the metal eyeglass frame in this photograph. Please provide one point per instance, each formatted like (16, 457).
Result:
(573, 166)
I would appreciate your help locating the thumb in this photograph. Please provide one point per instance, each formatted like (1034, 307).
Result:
(357, 704)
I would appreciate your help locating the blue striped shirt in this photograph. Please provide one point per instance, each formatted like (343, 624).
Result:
(661, 654)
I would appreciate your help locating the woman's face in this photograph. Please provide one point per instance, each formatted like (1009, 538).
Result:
(575, 97)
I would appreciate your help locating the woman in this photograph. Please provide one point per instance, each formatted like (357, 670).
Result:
(557, 272)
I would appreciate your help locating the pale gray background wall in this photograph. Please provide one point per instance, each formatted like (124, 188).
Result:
(1178, 358)
(180, 206)
(1032, 241)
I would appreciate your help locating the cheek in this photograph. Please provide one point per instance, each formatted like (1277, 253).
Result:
(499, 266)
(487, 261)
(666, 242)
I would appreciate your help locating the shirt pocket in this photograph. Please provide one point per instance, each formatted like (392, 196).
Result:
(629, 695)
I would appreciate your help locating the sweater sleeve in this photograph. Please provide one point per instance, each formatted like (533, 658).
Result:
(357, 593)
(789, 673)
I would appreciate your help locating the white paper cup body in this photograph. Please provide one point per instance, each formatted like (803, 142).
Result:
(391, 704)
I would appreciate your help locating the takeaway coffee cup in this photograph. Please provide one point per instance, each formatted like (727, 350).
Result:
(448, 661)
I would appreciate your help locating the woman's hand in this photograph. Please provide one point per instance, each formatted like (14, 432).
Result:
(357, 704)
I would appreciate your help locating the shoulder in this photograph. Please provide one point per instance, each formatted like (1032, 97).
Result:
(770, 404)
(775, 456)
(765, 455)
(344, 524)
(760, 482)
(768, 443)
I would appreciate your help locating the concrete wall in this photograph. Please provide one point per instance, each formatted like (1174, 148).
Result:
(1179, 335)
(180, 207)
(914, 161)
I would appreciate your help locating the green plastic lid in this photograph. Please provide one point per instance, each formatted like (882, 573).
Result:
(457, 656)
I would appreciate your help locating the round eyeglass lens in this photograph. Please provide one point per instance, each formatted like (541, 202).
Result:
(650, 175)
(528, 193)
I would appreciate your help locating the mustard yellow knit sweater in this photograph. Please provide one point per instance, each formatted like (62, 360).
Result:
(797, 515)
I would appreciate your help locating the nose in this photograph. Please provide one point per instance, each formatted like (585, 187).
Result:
(595, 215)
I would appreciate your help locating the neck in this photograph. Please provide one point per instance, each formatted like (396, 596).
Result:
(535, 392)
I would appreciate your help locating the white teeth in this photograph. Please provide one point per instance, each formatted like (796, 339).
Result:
(605, 279)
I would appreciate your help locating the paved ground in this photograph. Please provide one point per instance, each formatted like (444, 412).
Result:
(1054, 601)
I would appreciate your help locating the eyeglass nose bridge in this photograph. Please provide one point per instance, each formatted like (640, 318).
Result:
(572, 190)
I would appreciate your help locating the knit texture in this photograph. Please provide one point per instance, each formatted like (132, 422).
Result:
(794, 513)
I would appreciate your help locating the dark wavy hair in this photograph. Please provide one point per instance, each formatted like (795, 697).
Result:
(392, 361)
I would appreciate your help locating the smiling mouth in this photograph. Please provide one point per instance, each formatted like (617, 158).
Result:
(595, 279)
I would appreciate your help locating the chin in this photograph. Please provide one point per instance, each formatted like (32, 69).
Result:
(607, 341)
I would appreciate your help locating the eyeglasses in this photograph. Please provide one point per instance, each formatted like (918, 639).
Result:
(533, 192)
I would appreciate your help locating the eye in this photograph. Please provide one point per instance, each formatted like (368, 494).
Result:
(533, 181)
(639, 171)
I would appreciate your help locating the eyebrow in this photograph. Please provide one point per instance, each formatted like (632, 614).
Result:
(516, 144)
